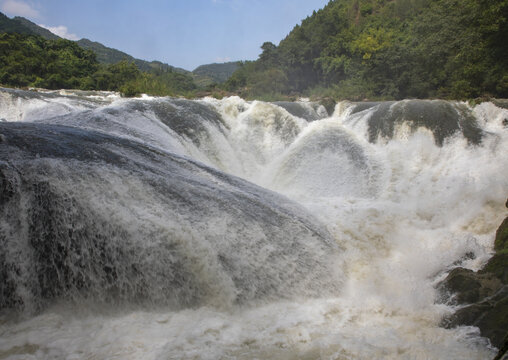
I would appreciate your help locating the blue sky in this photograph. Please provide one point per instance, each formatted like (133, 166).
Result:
(183, 33)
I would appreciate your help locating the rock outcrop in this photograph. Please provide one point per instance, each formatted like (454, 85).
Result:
(484, 295)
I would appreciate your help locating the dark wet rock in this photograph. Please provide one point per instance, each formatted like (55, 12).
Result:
(503, 351)
(364, 105)
(490, 315)
(443, 118)
(501, 242)
(185, 117)
(308, 111)
(329, 105)
(485, 294)
(497, 266)
(73, 227)
(502, 103)
(467, 286)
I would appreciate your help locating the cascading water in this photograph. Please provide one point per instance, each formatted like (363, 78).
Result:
(160, 228)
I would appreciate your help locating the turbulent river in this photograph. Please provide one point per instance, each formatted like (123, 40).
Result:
(159, 228)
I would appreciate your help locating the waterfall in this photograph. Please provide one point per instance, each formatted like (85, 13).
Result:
(163, 228)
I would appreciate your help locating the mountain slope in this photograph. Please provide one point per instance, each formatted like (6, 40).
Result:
(12, 26)
(32, 61)
(214, 73)
(203, 75)
(105, 55)
(387, 49)
(36, 29)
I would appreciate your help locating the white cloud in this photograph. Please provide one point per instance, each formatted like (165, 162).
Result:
(61, 31)
(222, 59)
(19, 8)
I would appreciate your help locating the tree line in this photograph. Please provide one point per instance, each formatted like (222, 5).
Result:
(32, 61)
(350, 49)
(386, 49)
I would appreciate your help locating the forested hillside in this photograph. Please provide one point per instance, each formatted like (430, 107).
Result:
(354, 49)
(214, 73)
(36, 29)
(151, 77)
(13, 26)
(105, 55)
(387, 49)
(30, 60)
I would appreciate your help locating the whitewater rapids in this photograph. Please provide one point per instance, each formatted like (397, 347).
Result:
(160, 228)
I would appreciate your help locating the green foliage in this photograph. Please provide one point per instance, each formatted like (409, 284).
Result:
(36, 29)
(32, 56)
(372, 41)
(126, 78)
(27, 60)
(12, 26)
(116, 76)
(388, 49)
(206, 75)
(33, 61)
(162, 84)
(107, 55)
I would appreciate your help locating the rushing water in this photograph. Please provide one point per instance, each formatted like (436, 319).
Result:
(160, 228)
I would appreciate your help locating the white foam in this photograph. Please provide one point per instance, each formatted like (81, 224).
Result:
(404, 211)
(319, 329)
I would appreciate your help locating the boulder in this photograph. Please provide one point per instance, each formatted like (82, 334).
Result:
(466, 286)
(484, 294)
(501, 242)
(490, 315)
(503, 351)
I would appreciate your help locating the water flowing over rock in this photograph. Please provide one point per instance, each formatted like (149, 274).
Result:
(485, 294)
(74, 226)
(443, 118)
(161, 228)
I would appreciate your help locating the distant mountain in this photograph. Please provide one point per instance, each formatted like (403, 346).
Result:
(203, 75)
(105, 55)
(214, 73)
(13, 26)
(36, 29)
